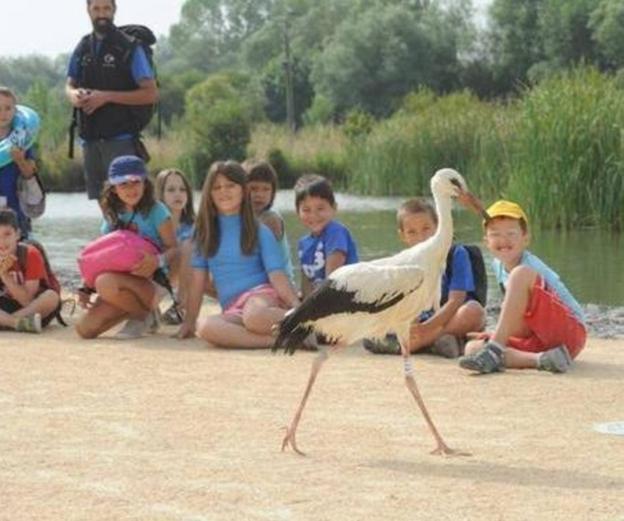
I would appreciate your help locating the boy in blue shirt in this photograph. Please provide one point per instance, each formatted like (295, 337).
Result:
(443, 331)
(329, 244)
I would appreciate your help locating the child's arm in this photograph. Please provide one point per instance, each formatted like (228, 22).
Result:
(27, 167)
(22, 293)
(274, 223)
(335, 260)
(151, 263)
(443, 316)
(284, 289)
(306, 285)
(193, 303)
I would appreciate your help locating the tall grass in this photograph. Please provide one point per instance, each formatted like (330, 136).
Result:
(567, 153)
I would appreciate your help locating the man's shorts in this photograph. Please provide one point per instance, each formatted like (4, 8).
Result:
(98, 155)
(551, 323)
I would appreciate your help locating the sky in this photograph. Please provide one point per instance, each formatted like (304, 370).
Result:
(52, 27)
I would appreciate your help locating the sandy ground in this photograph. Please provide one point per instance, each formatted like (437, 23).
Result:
(157, 429)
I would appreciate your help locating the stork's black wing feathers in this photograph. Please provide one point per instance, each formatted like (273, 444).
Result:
(327, 299)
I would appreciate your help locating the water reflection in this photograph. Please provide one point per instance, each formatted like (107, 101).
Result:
(589, 261)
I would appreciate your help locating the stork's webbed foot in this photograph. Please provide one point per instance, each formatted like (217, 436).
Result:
(445, 451)
(290, 440)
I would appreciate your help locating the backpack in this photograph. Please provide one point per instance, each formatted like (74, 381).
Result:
(479, 273)
(53, 282)
(143, 36)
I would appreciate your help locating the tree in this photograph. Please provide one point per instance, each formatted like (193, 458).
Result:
(607, 25)
(210, 32)
(378, 56)
(218, 117)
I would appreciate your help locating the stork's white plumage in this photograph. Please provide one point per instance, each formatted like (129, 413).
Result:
(370, 299)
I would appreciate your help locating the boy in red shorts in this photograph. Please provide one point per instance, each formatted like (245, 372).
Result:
(541, 325)
(26, 301)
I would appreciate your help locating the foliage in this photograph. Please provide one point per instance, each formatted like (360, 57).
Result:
(219, 114)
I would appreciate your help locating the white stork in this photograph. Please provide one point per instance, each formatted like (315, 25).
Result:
(371, 299)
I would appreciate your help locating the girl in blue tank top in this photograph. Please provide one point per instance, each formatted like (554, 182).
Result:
(241, 259)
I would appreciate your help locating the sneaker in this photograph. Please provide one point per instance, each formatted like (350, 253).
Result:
(171, 317)
(29, 324)
(555, 360)
(447, 346)
(488, 359)
(134, 328)
(388, 346)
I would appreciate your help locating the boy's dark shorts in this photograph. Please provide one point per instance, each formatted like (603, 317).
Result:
(8, 305)
(98, 155)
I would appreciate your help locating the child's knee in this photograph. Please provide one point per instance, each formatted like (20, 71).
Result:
(84, 331)
(106, 284)
(473, 314)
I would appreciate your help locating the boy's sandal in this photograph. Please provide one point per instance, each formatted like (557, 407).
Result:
(388, 346)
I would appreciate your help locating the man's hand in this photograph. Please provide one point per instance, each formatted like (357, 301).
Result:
(93, 100)
(77, 97)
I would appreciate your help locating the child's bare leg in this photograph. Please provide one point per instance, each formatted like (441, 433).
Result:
(7, 320)
(260, 314)
(99, 318)
(133, 295)
(44, 304)
(469, 317)
(226, 331)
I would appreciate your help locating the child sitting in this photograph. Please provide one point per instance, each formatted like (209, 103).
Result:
(128, 202)
(245, 262)
(262, 187)
(174, 190)
(23, 163)
(27, 303)
(329, 244)
(541, 325)
(444, 331)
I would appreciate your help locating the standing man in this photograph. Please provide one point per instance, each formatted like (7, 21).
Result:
(111, 84)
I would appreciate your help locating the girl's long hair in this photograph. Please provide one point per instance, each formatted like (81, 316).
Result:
(207, 234)
(112, 206)
(188, 212)
(262, 171)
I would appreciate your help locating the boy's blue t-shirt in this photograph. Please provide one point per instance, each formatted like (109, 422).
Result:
(462, 279)
(139, 66)
(313, 250)
(552, 279)
(145, 225)
(9, 174)
(233, 272)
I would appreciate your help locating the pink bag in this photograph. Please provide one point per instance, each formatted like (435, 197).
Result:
(119, 251)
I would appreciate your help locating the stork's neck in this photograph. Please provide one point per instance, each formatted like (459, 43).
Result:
(443, 236)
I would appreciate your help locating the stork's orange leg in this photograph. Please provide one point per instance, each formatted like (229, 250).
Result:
(442, 448)
(291, 430)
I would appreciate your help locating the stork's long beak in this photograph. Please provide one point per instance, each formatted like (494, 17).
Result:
(472, 202)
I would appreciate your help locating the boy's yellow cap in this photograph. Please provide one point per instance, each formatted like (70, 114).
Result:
(504, 208)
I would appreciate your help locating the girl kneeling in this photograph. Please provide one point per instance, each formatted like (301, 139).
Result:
(245, 261)
(128, 202)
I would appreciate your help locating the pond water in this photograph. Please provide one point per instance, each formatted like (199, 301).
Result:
(589, 261)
